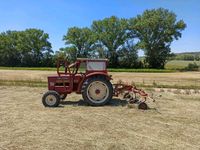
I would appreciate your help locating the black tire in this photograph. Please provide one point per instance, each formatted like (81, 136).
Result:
(142, 105)
(63, 96)
(51, 99)
(106, 88)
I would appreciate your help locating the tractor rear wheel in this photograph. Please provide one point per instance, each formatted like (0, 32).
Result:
(97, 91)
(51, 99)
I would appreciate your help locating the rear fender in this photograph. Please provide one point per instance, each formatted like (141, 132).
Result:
(97, 74)
(91, 75)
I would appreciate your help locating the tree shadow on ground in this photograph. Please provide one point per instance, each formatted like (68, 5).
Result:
(114, 102)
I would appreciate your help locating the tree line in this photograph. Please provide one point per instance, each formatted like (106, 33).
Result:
(29, 48)
(117, 39)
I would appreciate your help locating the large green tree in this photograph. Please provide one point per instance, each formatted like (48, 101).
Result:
(25, 48)
(111, 34)
(9, 54)
(128, 56)
(79, 42)
(156, 29)
(35, 47)
(67, 53)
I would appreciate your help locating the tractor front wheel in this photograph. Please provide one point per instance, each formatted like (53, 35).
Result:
(97, 91)
(51, 99)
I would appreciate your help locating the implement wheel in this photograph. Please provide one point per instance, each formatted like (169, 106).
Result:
(142, 105)
(97, 91)
(51, 99)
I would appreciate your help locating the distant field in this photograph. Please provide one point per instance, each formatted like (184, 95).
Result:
(179, 64)
(109, 69)
(161, 80)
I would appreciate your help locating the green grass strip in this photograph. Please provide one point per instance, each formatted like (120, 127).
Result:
(109, 69)
(141, 70)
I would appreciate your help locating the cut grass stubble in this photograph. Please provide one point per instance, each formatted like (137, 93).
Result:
(171, 123)
(179, 80)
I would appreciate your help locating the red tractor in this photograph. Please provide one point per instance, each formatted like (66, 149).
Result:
(90, 78)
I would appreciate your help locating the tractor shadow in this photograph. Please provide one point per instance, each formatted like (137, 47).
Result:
(117, 102)
(74, 103)
(114, 102)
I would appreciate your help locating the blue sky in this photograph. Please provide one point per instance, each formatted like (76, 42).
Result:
(56, 16)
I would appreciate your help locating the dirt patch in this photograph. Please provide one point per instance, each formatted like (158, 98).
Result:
(171, 123)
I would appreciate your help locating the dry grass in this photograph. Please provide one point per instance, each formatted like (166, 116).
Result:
(26, 124)
(176, 79)
(172, 123)
(179, 79)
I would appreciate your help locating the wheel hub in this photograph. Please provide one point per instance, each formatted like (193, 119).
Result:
(50, 100)
(97, 91)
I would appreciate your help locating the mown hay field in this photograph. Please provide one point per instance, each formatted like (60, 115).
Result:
(172, 122)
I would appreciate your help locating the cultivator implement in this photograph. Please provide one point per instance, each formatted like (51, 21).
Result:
(132, 94)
